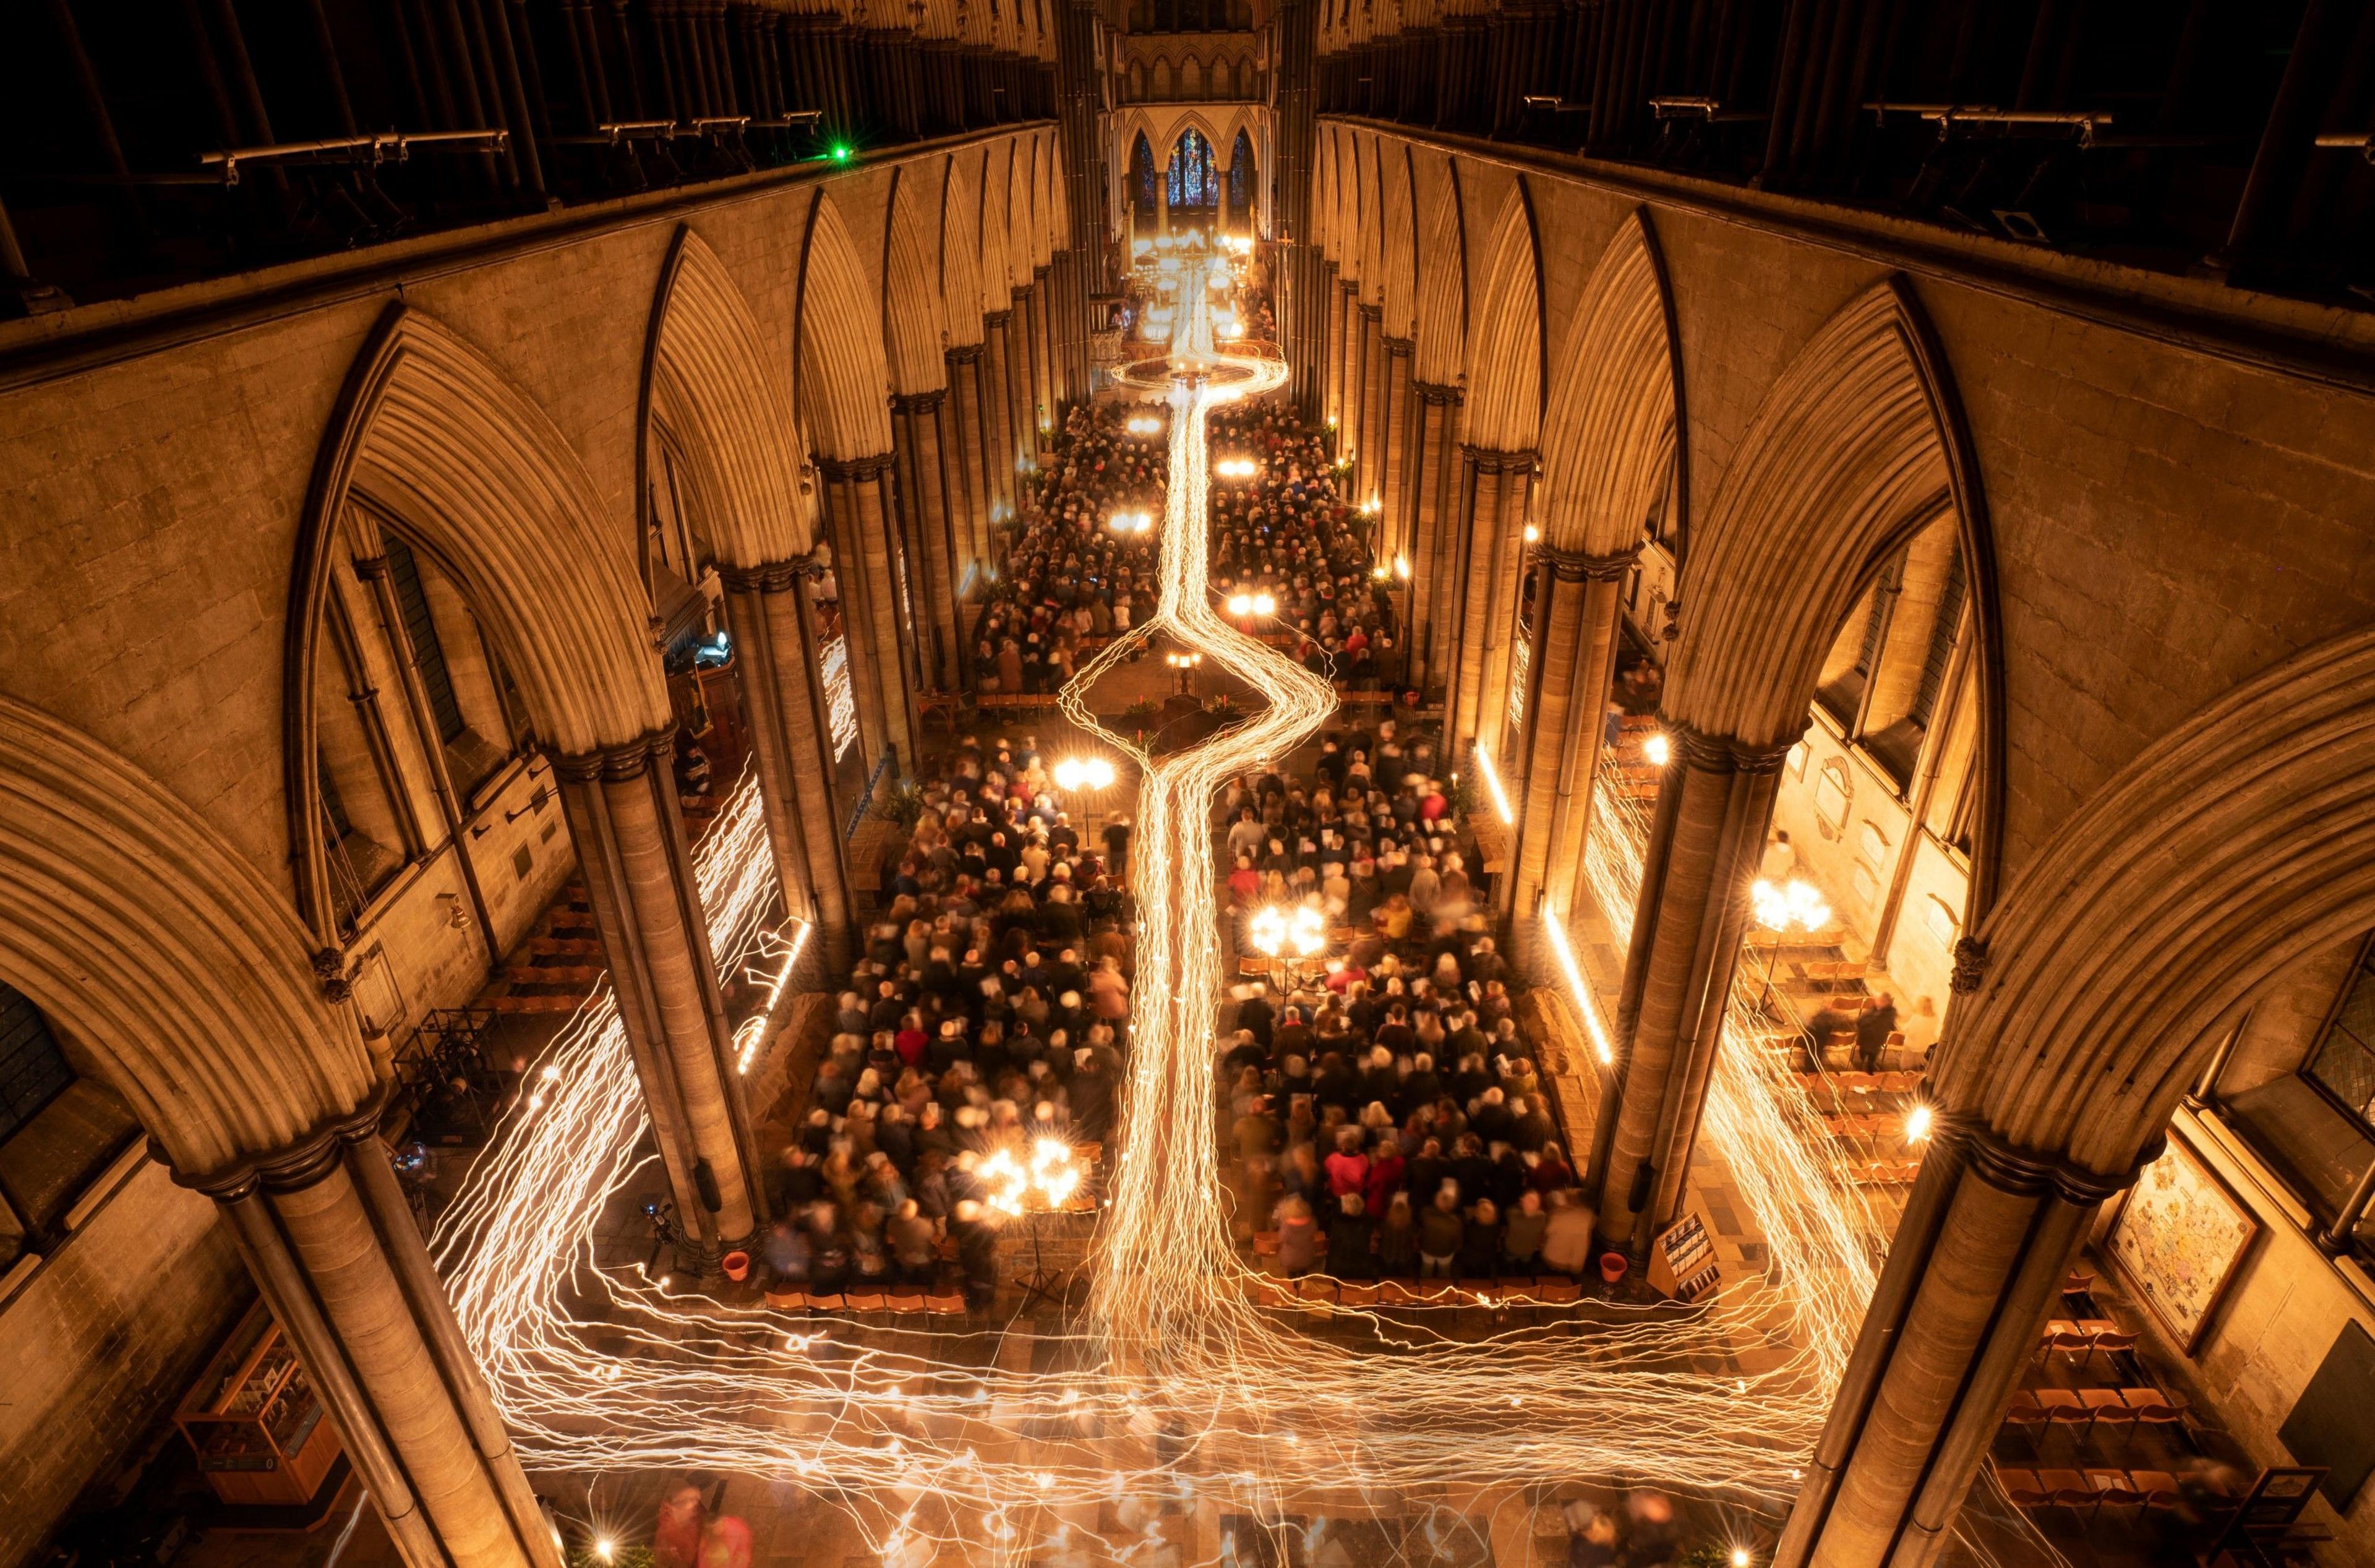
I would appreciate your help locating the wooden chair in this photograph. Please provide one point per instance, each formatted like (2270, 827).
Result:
(2026, 1417)
(786, 1298)
(2024, 1489)
(2110, 1409)
(1558, 1292)
(863, 1301)
(2105, 1335)
(944, 1302)
(2154, 1407)
(1315, 1287)
(826, 1303)
(1265, 1243)
(2159, 1489)
(2068, 1488)
(2064, 1334)
(2064, 1408)
(1352, 1294)
(2113, 1490)
(905, 1299)
(2077, 1283)
(1397, 1293)
(1515, 1292)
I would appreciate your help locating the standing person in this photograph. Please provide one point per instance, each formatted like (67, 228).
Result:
(1117, 848)
(1349, 1238)
(1873, 1028)
(1439, 1234)
(1298, 1236)
(676, 1536)
(1567, 1236)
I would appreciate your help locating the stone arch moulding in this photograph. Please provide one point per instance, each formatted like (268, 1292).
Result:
(434, 438)
(2230, 848)
(1508, 372)
(1619, 371)
(708, 377)
(129, 919)
(1855, 446)
(1442, 356)
(915, 330)
(844, 381)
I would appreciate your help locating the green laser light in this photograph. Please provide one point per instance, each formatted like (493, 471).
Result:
(841, 152)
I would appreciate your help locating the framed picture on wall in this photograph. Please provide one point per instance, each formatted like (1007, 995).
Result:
(2179, 1239)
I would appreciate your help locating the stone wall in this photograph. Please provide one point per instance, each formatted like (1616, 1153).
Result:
(102, 1344)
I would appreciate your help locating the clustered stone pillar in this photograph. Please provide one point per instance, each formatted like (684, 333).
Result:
(621, 807)
(1704, 844)
(1975, 1269)
(1022, 372)
(1578, 602)
(1489, 535)
(1433, 504)
(1369, 471)
(341, 1263)
(792, 742)
(969, 486)
(1393, 513)
(919, 442)
(997, 411)
(875, 607)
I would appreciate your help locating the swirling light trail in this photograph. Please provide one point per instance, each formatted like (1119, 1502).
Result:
(1183, 1386)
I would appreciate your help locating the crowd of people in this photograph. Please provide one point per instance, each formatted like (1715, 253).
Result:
(1070, 572)
(1287, 532)
(989, 1011)
(1385, 1114)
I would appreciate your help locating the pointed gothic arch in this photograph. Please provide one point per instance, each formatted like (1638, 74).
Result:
(1506, 370)
(709, 381)
(130, 921)
(1613, 435)
(1856, 445)
(1397, 246)
(843, 378)
(1442, 355)
(960, 219)
(915, 322)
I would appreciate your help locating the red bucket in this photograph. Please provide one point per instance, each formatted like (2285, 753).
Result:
(1612, 1266)
(737, 1266)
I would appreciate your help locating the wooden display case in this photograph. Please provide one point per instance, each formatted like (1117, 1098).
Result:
(255, 1420)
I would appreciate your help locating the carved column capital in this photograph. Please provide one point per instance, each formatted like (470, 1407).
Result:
(995, 319)
(2009, 1168)
(615, 764)
(918, 402)
(1401, 348)
(838, 470)
(1437, 393)
(1492, 460)
(293, 1167)
(1721, 753)
(963, 354)
(1970, 964)
(1580, 566)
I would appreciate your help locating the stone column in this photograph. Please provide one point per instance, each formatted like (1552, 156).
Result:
(623, 816)
(1368, 473)
(876, 616)
(998, 415)
(1485, 559)
(919, 442)
(1393, 518)
(968, 485)
(1331, 306)
(1705, 842)
(1578, 600)
(1975, 1269)
(793, 745)
(1021, 330)
(341, 1263)
(1433, 511)
(1030, 308)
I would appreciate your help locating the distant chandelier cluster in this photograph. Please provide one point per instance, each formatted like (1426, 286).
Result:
(1178, 1383)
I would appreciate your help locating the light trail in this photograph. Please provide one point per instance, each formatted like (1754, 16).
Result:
(1184, 1388)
